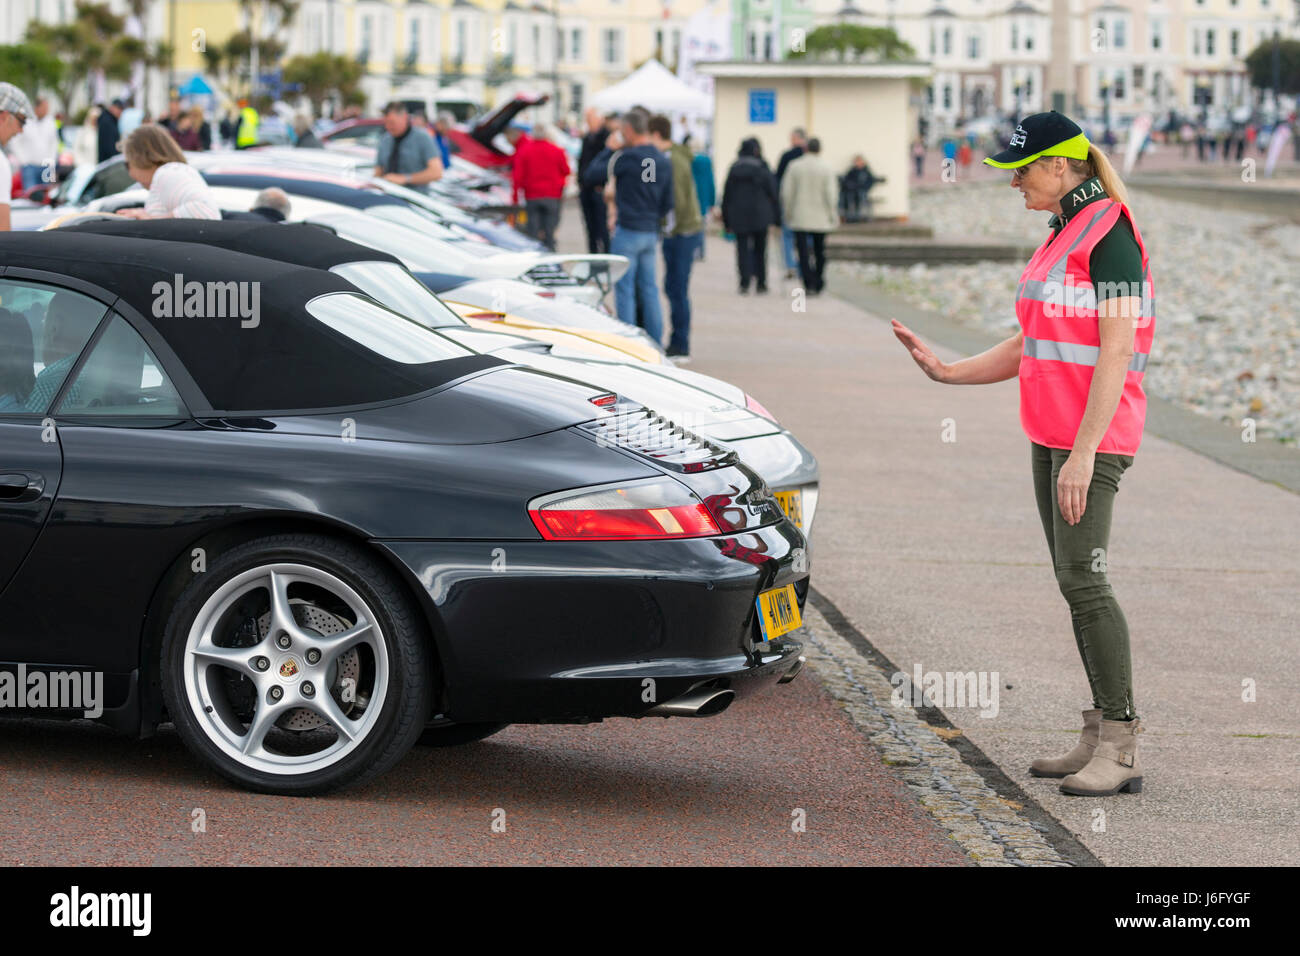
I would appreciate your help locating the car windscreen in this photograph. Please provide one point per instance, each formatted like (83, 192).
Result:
(391, 285)
(421, 254)
(339, 349)
(415, 218)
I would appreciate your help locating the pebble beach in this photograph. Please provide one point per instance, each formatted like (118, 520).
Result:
(1227, 288)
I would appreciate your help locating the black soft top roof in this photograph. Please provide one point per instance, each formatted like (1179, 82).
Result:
(301, 244)
(287, 360)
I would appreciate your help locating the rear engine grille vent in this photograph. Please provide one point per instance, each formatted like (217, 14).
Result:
(550, 274)
(650, 435)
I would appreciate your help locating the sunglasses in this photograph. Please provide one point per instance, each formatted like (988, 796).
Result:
(20, 117)
(1018, 173)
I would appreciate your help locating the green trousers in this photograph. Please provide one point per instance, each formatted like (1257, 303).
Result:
(1079, 558)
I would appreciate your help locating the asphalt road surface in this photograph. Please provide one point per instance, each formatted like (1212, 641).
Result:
(654, 791)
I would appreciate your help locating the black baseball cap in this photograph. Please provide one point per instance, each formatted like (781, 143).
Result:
(1043, 134)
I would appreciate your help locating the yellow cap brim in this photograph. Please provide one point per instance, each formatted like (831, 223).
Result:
(1076, 147)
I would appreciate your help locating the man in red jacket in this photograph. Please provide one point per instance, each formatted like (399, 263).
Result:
(538, 172)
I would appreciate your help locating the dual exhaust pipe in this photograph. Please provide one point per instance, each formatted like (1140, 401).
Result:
(709, 701)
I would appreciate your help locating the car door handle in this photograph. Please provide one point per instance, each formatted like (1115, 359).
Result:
(19, 487)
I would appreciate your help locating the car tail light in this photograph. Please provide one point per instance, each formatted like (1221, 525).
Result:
(607, 400)
(486, 316)
(546, 295)
(635, 510)
(755, 406)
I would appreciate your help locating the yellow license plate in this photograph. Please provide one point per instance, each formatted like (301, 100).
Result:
(791, 503)
(778, 612)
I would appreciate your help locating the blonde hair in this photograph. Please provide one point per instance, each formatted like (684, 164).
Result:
(149, 146)
(1097, 164)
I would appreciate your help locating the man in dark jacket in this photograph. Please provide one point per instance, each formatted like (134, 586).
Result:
(855, 187)
(591, 198)
(106, 127)
(750, 205)
(643, 196)
(798, 140)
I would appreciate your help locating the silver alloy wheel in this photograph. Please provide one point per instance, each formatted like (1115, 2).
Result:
(289, 681)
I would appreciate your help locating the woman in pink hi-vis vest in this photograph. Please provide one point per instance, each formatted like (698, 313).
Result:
(1086, 311)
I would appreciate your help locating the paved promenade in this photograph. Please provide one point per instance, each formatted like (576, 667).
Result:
(933, 551)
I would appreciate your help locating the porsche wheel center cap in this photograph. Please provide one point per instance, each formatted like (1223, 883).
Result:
(290, 669)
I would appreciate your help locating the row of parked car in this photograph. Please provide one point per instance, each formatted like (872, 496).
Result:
(419, 486)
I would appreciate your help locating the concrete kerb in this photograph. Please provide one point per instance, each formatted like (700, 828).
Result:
(986, 813)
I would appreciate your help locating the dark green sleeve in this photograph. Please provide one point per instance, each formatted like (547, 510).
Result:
(1116, 263)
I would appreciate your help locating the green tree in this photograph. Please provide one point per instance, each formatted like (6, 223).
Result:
(323, 74)
(93, 42)
(1259, 65)
(849, 42)
(30, 67)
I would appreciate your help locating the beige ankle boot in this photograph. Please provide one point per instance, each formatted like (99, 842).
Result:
(1114, 766)
(1077, 758)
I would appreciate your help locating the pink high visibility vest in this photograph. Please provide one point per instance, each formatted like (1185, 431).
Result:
(1057, 308)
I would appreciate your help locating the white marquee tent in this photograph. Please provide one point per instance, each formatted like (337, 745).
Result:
(656, 88)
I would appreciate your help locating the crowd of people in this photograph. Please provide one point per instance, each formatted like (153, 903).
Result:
(641, 193)
(636, 185)
(34, 141)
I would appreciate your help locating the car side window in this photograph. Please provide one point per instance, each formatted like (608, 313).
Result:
(42, 332)
(121, 376)
(108, 181)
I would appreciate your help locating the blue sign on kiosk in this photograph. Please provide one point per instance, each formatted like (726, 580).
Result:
(762, 106)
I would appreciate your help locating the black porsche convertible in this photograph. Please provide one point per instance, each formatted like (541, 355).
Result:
(307, 531)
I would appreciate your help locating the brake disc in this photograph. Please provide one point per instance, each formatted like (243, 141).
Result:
(347, 666)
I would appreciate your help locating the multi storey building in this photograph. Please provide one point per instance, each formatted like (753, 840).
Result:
(1080, 56)
(1010, 56)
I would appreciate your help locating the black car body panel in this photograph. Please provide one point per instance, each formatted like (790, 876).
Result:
(114, 512)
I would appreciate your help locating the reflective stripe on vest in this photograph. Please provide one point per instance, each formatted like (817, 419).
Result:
(1078, 354)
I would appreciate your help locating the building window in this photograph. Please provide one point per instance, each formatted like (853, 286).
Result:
(767, 46)
(947, 96)
(575, 97)
(1120, 34)
(1157, 34)
(537, 44)
(973, 46)
(611, 47)
(1234, 42)
(367, 38)
(1209, 42)
(575, 45)
(1029, 36)
(947, 41)
(1015, 36)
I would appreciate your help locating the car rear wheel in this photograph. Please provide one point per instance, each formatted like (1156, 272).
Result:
(443, 733)
(296, 664)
